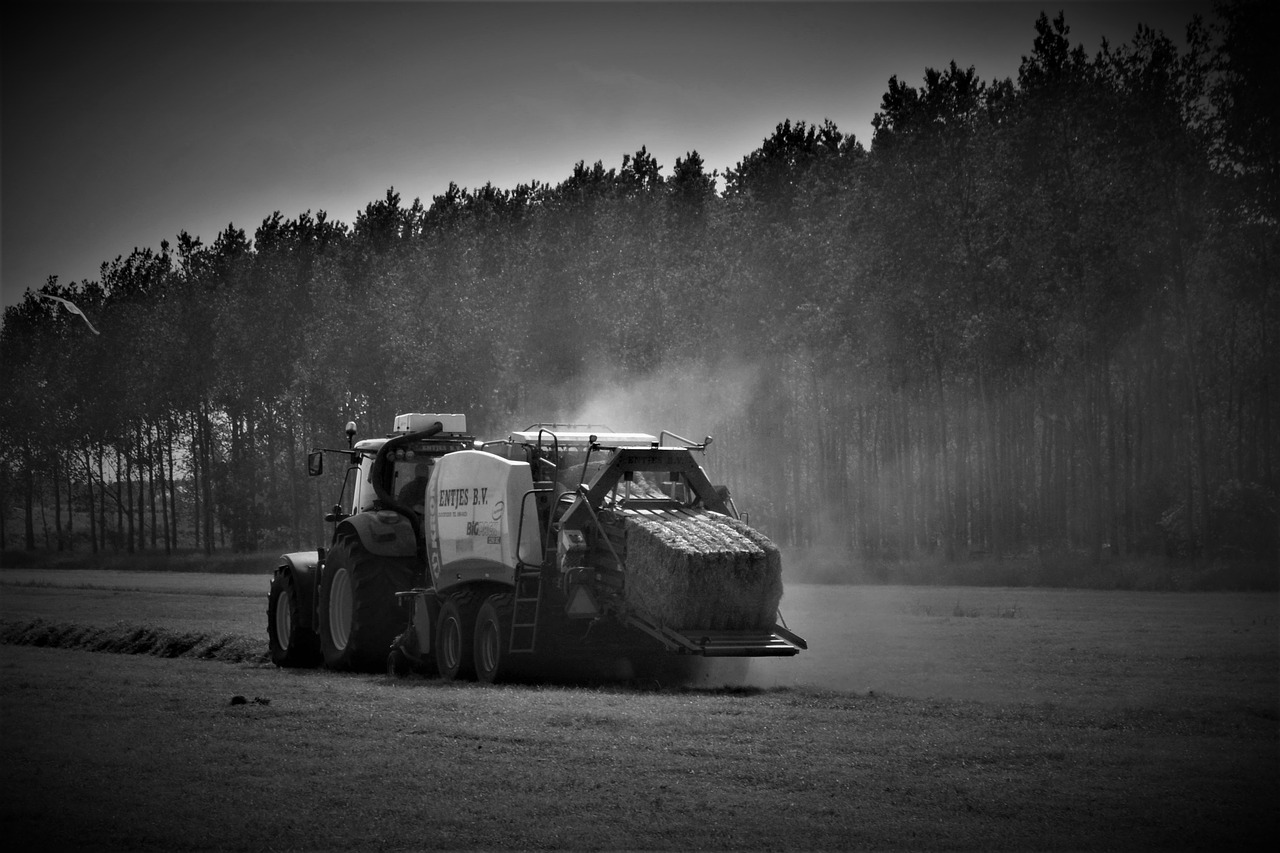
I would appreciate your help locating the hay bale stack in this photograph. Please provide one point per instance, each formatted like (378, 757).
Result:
(701, 570)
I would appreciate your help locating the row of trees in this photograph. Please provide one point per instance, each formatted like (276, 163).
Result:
(1036, 314)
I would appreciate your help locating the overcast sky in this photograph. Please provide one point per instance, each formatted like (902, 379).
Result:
(126, 123)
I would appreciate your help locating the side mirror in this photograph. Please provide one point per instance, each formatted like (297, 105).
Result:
(315, 463)
(336, 514)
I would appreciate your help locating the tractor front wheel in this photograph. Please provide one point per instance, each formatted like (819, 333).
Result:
(290, 640)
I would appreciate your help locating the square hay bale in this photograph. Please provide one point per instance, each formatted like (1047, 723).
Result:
(694, 570)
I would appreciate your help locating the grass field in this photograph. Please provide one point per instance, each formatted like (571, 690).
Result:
(966, 719)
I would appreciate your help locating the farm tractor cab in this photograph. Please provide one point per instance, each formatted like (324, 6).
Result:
(558, 545)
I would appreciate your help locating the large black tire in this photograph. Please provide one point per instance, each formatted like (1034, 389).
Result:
(359, 615)
(455, 636)
(290, 639)
(492, 642)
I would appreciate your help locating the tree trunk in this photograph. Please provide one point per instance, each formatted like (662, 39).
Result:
(29, 498)
(124, 500)
(102, 497)
(56, 478)
(151, 492)
(206, 484)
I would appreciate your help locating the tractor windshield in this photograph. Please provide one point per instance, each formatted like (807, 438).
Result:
(409, 482)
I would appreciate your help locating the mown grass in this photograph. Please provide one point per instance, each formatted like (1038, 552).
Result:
(961, 610)
(127, 752)
(1077, 647)
(821, 566)
(1070, 570)
(146, 751)
(123, 638)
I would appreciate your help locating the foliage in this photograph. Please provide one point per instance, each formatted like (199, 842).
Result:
(1035, 317)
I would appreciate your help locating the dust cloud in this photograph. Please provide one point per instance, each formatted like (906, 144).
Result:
(694, 400)
(691, 399)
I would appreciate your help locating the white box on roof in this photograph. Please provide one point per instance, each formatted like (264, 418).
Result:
(418, 421)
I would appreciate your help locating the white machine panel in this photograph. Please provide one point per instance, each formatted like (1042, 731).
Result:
(473, 509)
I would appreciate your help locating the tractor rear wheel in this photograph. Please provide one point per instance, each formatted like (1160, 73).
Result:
(455, 635)
(291, 641)
(493, 638)
(359, 616)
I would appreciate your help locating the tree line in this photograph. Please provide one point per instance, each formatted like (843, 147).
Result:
(1036, 314)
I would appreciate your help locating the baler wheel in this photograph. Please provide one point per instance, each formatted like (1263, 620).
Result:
(290, 641)
(455, 636)
(493, 638)
(359, 616)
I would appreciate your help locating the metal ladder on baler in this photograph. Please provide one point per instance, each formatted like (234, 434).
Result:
(526, 605)
(527, 602)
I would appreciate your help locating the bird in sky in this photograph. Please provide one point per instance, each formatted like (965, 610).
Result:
(73, 308)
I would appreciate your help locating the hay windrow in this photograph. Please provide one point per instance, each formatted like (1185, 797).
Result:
(691, 570)
(123, 638)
